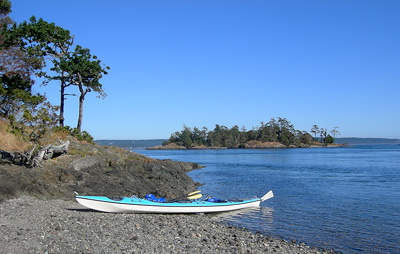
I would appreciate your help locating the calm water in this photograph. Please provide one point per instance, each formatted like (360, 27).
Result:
(346, 199)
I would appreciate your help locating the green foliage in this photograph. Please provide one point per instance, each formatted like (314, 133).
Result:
(276, 130)
(38, 39)
(329, 139)
(15, 90)
(315, 130)
(30, 115)
(5, 7)
(305, 138)
(166, 142)
(26, 48)
(34, 119)
(335, 132)
(82, 69)
(16, 68)
(80, 135)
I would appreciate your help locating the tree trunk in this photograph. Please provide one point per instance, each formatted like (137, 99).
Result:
(62, 103)
(81, 100)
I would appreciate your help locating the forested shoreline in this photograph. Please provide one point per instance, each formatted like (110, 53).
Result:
(277, 132)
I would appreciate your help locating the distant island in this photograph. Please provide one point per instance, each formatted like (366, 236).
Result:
(277, 133)
(137, 144)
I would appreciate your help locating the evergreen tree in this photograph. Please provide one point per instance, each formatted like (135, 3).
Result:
(315, 130)
(82, 69)
(16, 68)
(335, 132)
(280, 130)
(329, 139)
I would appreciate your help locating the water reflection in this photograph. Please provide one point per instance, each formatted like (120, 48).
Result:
(261, 216)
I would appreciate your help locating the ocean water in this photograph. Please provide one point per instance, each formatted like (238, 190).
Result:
(345, 199)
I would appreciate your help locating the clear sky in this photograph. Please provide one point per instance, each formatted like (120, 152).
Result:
(233, 62)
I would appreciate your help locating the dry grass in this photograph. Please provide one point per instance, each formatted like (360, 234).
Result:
(9, 142)
(53, 138)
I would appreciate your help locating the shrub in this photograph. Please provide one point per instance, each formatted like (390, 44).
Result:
(80, 135)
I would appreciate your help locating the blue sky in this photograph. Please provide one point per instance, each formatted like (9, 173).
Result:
(201, 63)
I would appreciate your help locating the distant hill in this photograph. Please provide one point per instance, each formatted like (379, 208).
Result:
(366, 141)
(131, 144)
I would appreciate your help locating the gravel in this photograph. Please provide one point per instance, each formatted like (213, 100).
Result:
(31, 225)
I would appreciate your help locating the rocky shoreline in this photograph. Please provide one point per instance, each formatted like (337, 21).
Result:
(97, 170)
(38, 213)
(32, 225)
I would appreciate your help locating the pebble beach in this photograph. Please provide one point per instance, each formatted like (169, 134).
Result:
(32, 225)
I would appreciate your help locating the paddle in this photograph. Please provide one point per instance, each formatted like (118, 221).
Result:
(194, 195)
(269, 195)
(194, 192)
(190, 196)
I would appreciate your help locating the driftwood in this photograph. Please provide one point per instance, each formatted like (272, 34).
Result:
(49, 152)
(34, 161)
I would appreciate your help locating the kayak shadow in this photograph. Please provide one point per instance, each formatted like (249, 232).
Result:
(84, 210)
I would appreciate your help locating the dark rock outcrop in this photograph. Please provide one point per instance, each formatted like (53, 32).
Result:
(97, 170)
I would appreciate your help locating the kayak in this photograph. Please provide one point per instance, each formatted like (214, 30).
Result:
(138, 205)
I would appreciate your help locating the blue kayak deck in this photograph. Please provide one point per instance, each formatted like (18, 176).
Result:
(191, 203)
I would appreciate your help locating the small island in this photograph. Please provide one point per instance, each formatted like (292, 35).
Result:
(277, 133)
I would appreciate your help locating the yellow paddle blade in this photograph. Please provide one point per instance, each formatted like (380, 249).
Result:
(195, 196)
(194, 192)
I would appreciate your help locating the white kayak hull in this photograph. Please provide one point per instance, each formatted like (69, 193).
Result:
(137, 205)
